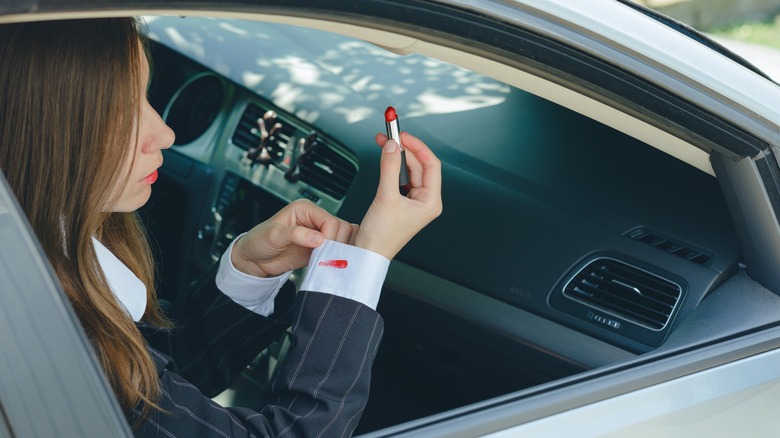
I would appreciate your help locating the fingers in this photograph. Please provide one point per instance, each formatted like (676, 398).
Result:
(315, 223)
(430, 166)
(344, 232)
(416, 169)
(305, 237)
(310, 224)
(380, 139)
(355, 230)
(333, 229)
(389, 167)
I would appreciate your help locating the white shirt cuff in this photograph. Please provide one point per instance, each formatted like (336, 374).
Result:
(346, 271)
(255, 293)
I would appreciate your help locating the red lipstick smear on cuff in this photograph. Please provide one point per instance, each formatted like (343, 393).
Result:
(339, 264)
(151, 178)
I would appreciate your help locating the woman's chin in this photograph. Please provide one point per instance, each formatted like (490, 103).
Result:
(129, 204)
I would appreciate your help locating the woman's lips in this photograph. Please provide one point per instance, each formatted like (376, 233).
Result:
(151, 178)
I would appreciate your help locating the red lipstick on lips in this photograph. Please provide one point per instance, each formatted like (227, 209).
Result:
(394, 133)
(151, 178)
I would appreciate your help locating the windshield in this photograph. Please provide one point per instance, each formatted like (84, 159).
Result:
(343, 85)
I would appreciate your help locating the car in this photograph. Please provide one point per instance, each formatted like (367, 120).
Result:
(606, 263)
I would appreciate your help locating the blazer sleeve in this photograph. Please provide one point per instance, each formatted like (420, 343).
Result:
(320, 391)
(214, 338)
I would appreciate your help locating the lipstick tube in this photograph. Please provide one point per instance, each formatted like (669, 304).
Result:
(394, 133)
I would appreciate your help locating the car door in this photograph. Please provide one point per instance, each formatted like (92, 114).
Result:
(50, 381)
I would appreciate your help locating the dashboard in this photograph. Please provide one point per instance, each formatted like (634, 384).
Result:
(564, 245)
(267, 149)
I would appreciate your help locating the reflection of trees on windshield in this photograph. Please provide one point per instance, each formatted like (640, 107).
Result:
(309, 72)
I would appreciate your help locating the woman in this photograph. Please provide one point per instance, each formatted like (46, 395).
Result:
(80, 146)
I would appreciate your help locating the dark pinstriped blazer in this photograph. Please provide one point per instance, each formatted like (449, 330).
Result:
(319, 391)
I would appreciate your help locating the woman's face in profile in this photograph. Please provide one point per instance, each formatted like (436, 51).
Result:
(144, 152)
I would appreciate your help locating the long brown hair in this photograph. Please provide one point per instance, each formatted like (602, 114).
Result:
(69, 102)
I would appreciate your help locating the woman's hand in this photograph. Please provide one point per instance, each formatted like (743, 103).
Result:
(392, 219)
(285, 241)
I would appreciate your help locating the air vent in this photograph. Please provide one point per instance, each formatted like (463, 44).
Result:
(626, 292)
(247, 134)
(672, 247)
(328, 171)
(323, 168)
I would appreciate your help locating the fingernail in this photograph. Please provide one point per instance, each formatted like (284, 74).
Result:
(390, 146)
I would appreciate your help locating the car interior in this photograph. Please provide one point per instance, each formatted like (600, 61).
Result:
(573, 237)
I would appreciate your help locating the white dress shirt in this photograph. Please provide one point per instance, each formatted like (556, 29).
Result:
(334, 268)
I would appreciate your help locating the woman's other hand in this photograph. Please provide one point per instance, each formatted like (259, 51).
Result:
(393, 219)
(285, 241)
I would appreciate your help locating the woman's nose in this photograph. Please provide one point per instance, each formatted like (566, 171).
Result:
(169, 136)
(161, 136)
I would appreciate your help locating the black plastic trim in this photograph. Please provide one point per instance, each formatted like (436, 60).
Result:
(752, 193)
(586, 388)
(597, 322)
(770, 175)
